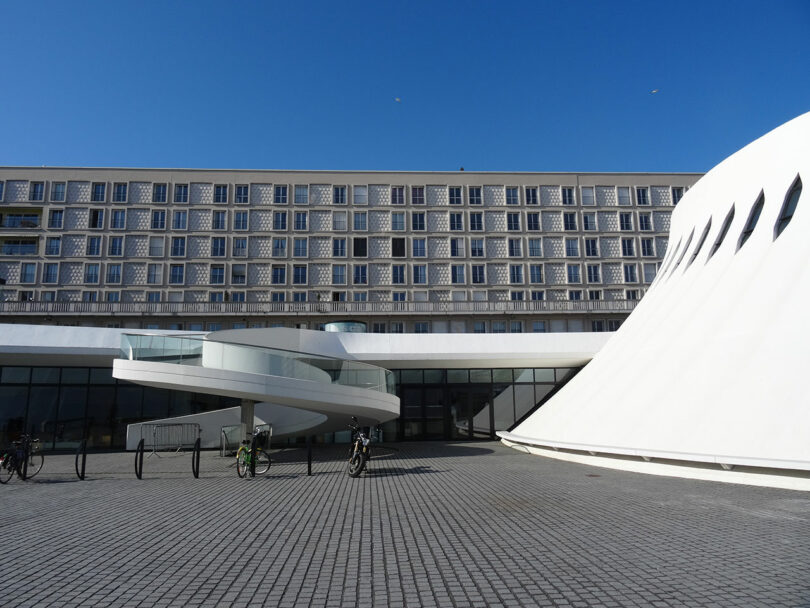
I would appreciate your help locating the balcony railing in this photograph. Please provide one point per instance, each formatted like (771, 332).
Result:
(317, 308)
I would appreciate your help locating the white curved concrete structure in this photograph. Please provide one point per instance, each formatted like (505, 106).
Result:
(710, 366)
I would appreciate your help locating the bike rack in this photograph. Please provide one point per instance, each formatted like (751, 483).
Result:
(195, 459)
(139, 460)
(253, 456)
(81, 451)
(23, 471)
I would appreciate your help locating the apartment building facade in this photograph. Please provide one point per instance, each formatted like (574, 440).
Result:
(401, 252)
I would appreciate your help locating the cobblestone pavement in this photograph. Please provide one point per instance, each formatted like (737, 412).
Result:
(432, 524)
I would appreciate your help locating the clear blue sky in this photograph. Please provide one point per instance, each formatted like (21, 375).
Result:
(521, 86)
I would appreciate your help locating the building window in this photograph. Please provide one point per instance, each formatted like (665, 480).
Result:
(788, 208)
(513, 222)
(300, 220)
(457, 274)
(279, 275)
(515, 249)
(533, 222)
(301, 195)
(574, 295)
(597, 326)
(589, 221)
(398, 195)
(280, 195)
(536, 273)
(642, 196)
(587, 196)
(647, 249)
(96, 218)
(499, 327)
(339, 221)
(339, 195)
(178, 246)
(240, 220)
(156, 246)
(594, 274)
(594, 294)
(159, 193)
(154, 274)
(217, 274)
(625, 221)
(360, 274)
(398, 221)
(360, 195)
(91, 273)
(476, 248)
(475, 195)
(531, 196)
(360, 220)
(516, 327)
(723, 231)
(454, 193)
(36, 191)
(538, 326)
(93, 246)
(28, 272)
(397, 327)
(378, 328)
(421, 327)
(279, 220)
(456, 221)
(115, 246)
(631, 294)
(338, 274)
(57, 192)
(418, 221)
(180, 220)
(515, 274)
(398, 274)
(280, 247)
(220, 193)
(50, 272)
(181, 193)
(339, 247)
(419, 248)
(120, 193)
(418, 195)
(479, 327)
(89, 296)
(55, 217)
(571, 248)
(476, 221)
(512, 197)
(419, 274)
(299, 275)
(118, 221)
(98, 192)
(569, 221)
(360, 247)
(53, 245)
(677, 195)
(239, 246)
(456, 248)
(242, 194)
(567, 196)
(573, 273)
(624, 196)
(176, 272)
(535, 247)
(218, 247)
(630, 273)
(398, 247)
(219, 220)
(478, 276)
(752, 220)
(113, 273)
(650, 270)
(158, 220)
(644, 222)
(300, 247)
(628, 248)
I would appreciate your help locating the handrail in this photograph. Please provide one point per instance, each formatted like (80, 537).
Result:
(319, 308)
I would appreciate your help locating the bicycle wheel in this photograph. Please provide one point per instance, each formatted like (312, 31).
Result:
(242, 461)
(35, 462)
(262, 461)
(6, 470)
(356, 464)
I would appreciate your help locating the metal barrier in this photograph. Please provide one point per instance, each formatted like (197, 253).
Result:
(139, 460)
(230, 438)
(170, 436)
(195, 460)
(81, 451)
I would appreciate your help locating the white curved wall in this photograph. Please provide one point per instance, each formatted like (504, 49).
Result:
(710, 366)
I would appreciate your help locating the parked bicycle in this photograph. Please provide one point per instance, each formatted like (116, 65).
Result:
(244, 458)
(14, 460)
(360, 452)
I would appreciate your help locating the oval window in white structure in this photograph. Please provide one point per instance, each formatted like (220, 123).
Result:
(700, 242)
(789, 208)
(752, 221)
(683, 253)
(723, 232)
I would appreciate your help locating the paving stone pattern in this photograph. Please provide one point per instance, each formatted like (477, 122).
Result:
(431, 524)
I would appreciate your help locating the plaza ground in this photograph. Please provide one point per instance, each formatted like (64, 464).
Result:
(431, 524)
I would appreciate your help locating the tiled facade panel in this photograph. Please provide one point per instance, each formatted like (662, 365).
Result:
(198, 246)
(494, 196)
(661, 221)
(10, 271)
(140, 193)
(73, 245)
(614, 294)
(196, 296)
(320, 194)
(379, 247)
(552, 221)
(261, 220)
(495, 221)
(200, 194)
(320, 247)
(320, 221)
(438, 221)
(608, 221)
(259, 274)
(134, 273)
(439, 274)
(138, 218)
(379, 195)
(612, 272)
(496, 247)
(76, 218)
(498, 295)
(261, 194)
(16, 191)
(553, 247)
(71, 273)
(379, 221)
(610, 247)
(78, 192)
(129, 296)
(260, 247)
(440, 295)
(196, 274)
(379, 274)
(320, 274)
(199, 219)
(136, 246)
(436, 196)
(555, 274)
(660, 196)
(550, 196)
(661, 243)
(606, 196)
(497, 274)
(438, 247)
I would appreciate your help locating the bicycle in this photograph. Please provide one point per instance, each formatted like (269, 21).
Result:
(360, 451)
(244, 458)
(14, 460)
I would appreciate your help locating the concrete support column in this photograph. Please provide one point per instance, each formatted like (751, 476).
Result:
(248, 408)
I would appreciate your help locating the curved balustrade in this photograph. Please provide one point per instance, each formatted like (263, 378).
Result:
(197, 351)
